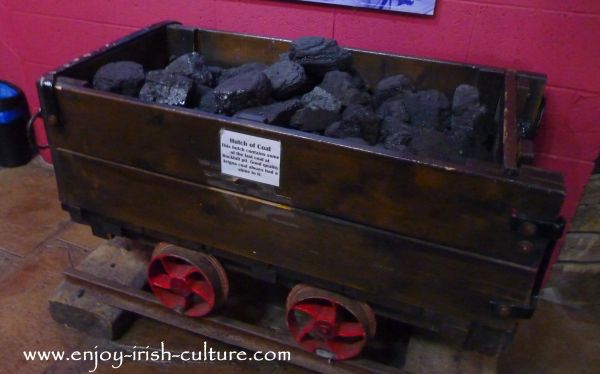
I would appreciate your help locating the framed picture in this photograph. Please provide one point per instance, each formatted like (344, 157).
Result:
(424, 7)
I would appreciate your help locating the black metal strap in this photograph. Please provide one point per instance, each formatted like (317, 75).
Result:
(31, 132)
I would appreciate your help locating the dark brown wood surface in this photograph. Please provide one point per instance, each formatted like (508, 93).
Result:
(151, 47)
(117, 261)
(459, 206)
(510, 138)
(394, 230)
(575, 277)
(230, 49)
(378, 265)
(587, 219)
(581, 247)
(591, 195)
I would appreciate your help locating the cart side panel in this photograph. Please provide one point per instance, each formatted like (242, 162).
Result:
(228, 49)
(376, 264)
(152, 47)
(447, 205)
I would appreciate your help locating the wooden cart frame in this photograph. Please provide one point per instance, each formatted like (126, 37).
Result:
(458, 249)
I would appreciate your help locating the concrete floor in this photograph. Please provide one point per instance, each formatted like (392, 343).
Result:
(37, 241)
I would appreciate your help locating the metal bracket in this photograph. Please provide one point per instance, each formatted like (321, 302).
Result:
(528, 226)
(48, 99)
(527, 128)
(505, 310)
(510, 136)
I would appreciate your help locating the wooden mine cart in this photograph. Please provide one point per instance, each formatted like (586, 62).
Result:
(457, 249)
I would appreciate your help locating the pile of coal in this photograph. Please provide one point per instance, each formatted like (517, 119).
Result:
(288, 79)
(191, 65)
(393, 114)
(246, 68)
(428, 109)
(319, 110)
(166, 88)
(313, 87)
(208, 103)
(123, 77)
(242, 91)
(279, 113)
(184, 82)
(319, 55)
(344, 88)
(425, 123)
(390, 87)
(357, 121)
(400, 138)
(466, 108)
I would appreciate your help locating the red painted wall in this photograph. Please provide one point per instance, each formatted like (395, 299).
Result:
(558, 37)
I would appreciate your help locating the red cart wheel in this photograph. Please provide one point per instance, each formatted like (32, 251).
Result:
(189, 282)
(330, 325)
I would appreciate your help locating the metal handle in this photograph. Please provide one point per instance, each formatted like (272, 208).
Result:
(30, 132)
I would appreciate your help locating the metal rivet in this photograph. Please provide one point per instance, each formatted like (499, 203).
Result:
(528, 229)
(52, 120)
(504, 311)
(525, 246)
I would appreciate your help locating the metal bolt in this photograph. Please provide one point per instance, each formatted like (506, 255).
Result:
(526, 246)
(528, 229)
(504, 311)
(52, 120)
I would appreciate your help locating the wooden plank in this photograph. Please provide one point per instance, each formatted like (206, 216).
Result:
(510, 138)
(584, 247)
(230, 49)
(451, 205)
(180, 40)
(426, 354)
(530, 99)
(591, 195)
(526, 152)
(118, 261)
(378, 266)
(148, 46)
(233, 49)
(587, 219)
(574, 284)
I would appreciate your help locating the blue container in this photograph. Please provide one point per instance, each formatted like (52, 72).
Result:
(14, 114)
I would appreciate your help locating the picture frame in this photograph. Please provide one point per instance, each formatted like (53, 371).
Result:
(420, 7)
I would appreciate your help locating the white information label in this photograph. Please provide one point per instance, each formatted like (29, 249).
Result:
(250, 157)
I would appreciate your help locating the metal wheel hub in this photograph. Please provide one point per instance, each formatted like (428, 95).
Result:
(189, 282)
(328, 324)
(180, 287)
(325, 330)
